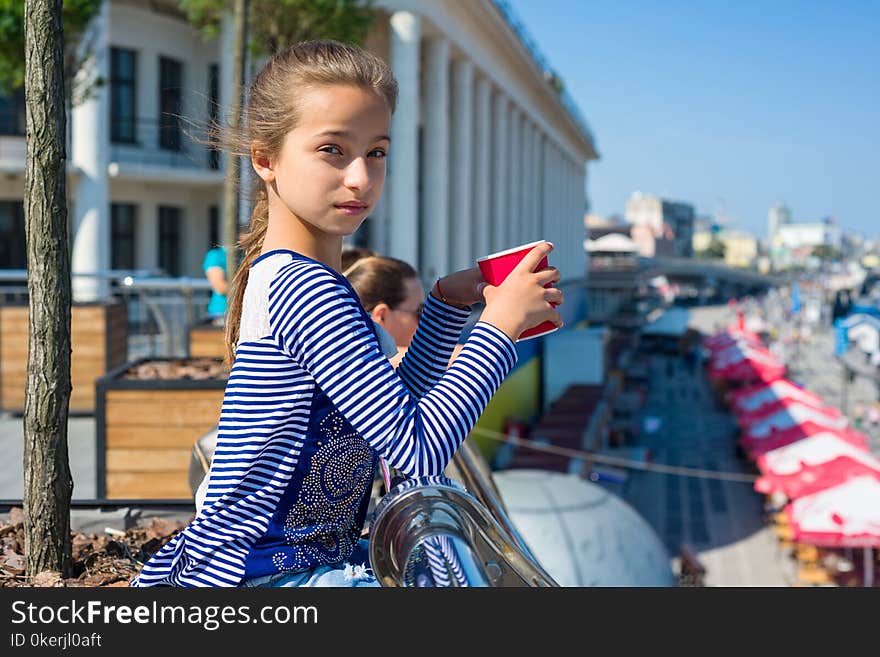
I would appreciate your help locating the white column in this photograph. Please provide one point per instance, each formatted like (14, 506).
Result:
(515, 187)
(564, 215)
(378, 227)
(500, 173)
(90, 150)
(147, 234)
(537, 183)
(546, 182)
(580, 177)
(434, 256)
(584, 255)
(526, 217)
(482, 173)
(461, 217)
(403, 165)
(525, 214)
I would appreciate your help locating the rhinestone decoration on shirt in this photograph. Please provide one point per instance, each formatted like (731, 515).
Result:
(319, 526)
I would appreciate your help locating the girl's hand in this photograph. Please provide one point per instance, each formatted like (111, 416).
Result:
(461, 288)
(521, 301)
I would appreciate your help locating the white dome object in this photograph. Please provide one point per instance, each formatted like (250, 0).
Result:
(582, 534)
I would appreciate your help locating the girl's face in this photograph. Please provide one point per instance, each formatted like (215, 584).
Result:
(331, 167)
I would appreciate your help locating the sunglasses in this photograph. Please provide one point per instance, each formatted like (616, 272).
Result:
(417, 312)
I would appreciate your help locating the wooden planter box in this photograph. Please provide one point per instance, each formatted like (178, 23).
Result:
(99, 342)
(207, 340)
(145, 431)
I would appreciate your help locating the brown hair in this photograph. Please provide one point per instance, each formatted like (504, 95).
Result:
(272, 112)
(379, 279)
(351, 254)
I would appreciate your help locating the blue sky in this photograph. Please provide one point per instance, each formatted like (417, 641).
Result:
(732, 106)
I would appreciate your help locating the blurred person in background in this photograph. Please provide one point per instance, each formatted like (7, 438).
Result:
(391, 292)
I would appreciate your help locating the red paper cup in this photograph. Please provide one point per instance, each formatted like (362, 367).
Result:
(496, 266)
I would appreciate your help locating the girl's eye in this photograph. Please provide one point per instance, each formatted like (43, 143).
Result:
(378, 152)
(333, 150)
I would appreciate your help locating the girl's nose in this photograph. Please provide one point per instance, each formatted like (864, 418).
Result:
(357, 175)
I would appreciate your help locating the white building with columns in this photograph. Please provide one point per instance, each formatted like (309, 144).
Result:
(485, 153)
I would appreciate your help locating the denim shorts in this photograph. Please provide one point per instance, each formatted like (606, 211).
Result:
(355, 572)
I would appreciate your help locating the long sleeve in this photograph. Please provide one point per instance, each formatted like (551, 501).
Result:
(318, 323)
(428, 355)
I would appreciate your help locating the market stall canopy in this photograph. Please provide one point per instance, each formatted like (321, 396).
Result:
(821, 461)
(756, 447)
(751, 419)
(794, 415)
(754, 398)
(847, 515)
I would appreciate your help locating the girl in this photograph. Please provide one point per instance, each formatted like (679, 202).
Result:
(392, 294)
(311, 401)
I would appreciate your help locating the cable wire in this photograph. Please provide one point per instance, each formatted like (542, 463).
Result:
(659, 468)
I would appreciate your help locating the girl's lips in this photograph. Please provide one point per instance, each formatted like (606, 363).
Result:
(353, 208)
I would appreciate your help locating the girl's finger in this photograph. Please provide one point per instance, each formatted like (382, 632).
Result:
(548, 275)
(533, 257)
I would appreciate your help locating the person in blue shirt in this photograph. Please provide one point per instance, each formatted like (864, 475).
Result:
(214, 267)
(311, 402)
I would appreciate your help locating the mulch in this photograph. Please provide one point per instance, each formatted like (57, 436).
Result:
(108, 560)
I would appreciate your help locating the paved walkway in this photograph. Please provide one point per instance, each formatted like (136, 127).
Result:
(81, 452)
(721, 520)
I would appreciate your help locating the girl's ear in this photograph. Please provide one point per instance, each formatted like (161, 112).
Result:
(261, 164)
(380, 313)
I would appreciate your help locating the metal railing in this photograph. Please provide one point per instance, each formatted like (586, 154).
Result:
(431, 532)
(158, 142)
(160, 309)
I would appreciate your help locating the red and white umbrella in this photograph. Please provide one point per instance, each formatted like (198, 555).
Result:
(756, 447)
(750, 370)
(729, 337)
(736, 353)
(748, 420)
(793, 415)
(823, 460)
(754, 398)
(847, 515)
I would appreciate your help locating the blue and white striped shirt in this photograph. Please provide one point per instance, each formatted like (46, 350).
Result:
(310, 402)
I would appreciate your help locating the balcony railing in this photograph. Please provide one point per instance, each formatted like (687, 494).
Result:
(160, 309)
(160, 142)
(432, 532)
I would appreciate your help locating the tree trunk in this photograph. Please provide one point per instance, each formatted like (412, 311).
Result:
(232, 181)
(47, 481)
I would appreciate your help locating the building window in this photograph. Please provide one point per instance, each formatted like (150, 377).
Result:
(215, 230)
(122, 223)
(170, 83)
(13, 252)
(123, 109)
(12, 121)
(213, 110)
(169, 239)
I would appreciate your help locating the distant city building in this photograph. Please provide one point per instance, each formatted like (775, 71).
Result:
(798, 235)
(487, 153)
(740, 248)
(660, 226)
(793, 244)
(779, 215)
